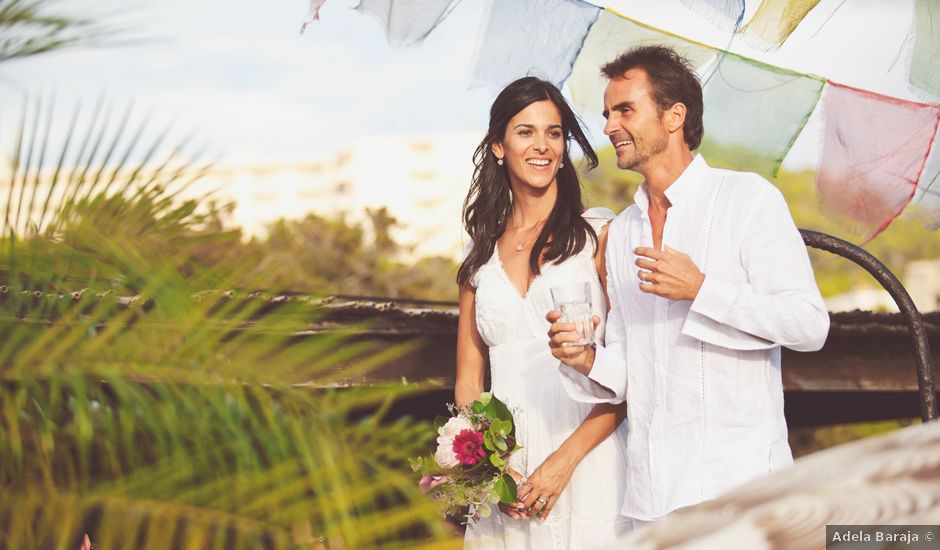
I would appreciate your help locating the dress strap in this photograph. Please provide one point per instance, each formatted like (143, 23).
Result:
(598, 217)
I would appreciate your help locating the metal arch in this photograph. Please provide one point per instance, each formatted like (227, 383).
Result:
(913, 318)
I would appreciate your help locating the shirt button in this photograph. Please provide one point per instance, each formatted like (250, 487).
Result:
(659, 403)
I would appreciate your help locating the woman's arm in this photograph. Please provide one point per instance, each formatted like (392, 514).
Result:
(471, 351)
(552, 476)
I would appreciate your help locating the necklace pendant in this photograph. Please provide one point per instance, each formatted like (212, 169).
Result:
(519, 247)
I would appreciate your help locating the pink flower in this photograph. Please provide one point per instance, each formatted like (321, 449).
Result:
(428, 483)
(468, 447)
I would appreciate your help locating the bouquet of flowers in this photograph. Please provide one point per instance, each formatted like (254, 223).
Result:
(470, 467)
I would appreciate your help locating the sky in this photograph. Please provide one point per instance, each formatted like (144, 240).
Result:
(251, 90)
(240, 76)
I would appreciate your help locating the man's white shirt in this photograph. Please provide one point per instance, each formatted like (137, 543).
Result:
(702, 379)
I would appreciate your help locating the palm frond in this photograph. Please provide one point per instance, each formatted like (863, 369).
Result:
(29, 29)
(143, 406)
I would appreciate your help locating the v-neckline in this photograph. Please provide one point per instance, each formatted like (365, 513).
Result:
(499, 262)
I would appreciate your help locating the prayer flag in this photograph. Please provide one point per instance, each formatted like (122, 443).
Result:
(611, 35)
(533, 38)
(754, 112)
(776, 19)
(874, 151)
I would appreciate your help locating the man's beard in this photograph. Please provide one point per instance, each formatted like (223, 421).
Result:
(641, 155)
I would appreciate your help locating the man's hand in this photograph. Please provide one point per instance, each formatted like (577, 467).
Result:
(581, 358)
(668, 273)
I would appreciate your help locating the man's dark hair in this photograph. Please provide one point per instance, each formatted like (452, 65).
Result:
(673, 80)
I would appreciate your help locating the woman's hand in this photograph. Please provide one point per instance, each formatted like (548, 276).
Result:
(541, 490)
(516, 510)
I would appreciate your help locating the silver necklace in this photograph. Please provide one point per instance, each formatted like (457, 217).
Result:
(520, 246)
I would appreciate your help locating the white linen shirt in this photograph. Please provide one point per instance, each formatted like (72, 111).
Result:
(702, 379)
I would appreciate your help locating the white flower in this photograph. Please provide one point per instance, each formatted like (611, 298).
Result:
(445, 441)
(453, 427)
(445, 454)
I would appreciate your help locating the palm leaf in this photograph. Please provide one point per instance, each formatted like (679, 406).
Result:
(140, 404)
(27, 29)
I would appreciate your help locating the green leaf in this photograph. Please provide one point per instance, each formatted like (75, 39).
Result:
(500, 444)
(489, 441)
(505, 486)
(497, 409)
(481, 404)
(505, 427)
(484, 510)
(497, 460)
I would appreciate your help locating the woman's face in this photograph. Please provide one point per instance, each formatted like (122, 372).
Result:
(533, 146)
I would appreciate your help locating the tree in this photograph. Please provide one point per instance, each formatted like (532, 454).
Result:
(328, 256)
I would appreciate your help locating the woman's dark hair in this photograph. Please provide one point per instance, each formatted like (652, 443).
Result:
(489, 202)
(673, 80)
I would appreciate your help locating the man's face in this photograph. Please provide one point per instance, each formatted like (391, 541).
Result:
(635, 124)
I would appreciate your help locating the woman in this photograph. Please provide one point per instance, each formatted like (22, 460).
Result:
(524, 216)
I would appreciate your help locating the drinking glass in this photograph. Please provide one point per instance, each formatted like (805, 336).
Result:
(573, 300)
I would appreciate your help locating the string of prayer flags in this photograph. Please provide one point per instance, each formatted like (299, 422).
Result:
(775, 20)
(513, 47)
(874, 151)
(407, 22)
(754, 112)
(875, 159)
(611, 35)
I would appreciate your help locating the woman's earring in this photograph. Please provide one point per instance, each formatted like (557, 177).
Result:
(562, 164)
(499, 161)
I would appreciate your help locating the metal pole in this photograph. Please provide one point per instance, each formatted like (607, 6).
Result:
(913, 318)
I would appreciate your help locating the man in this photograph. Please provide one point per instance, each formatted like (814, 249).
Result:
(707, 277)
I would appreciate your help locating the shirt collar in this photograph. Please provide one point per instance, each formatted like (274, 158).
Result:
(679, 189)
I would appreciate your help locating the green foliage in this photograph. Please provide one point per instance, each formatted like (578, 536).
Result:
(505, 489)
(491, 407)
(141, 406)
(902, 242)
(333, 256)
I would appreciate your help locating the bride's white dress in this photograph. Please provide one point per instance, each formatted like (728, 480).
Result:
(525, 375)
